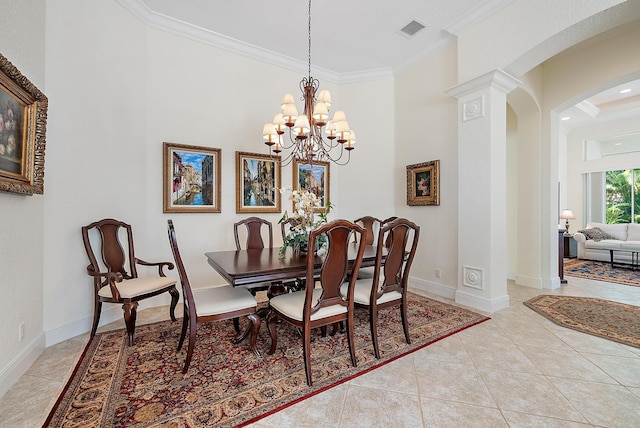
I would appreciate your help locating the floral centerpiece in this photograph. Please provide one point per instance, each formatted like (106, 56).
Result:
(305, 204)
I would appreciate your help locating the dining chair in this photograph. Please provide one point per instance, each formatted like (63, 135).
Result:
(322, 305)
(254, 234)
(388, 288)
(213, 304)
(113, 282)
(371, 226)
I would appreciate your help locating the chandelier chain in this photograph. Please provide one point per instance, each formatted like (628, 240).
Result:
(309, 38)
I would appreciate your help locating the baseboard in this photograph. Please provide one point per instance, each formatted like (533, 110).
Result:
(441, 290)
(110, 312)
(20, 364)
(529, 281)
(482, 304)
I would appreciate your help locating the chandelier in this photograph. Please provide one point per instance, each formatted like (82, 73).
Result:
(305, 138)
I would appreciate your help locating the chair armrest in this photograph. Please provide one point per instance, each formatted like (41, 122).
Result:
(112, 277)
(161, 265)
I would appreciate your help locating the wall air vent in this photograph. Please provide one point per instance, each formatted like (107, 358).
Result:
(412, 28)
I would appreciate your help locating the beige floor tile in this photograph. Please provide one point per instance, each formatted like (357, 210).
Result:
(450, 349)
(366, 407)
(398, 376)
(528, 393)
(565, 363)
(442, 413)
(505, 357)
(518, 420)
(453, 382)
(623, 369)
(602, 404)
(27, 404)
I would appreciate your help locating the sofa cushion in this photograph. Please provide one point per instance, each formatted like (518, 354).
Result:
(618, 231)
(630, 245)
(596, 234)
(633, 232)
(605, 244)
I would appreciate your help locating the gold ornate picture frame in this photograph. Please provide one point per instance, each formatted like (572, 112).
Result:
(257, 178)
(315, 178)
(23, 124)
(423, 183)
(191, 179)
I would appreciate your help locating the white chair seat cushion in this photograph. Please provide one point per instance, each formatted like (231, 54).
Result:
(218, 300)
(292, 305)
(362, 292)
(129, 288)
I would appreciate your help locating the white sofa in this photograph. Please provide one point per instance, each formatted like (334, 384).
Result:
(622, 236)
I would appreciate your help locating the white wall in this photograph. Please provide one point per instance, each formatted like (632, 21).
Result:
(22, 32)
(426, 130)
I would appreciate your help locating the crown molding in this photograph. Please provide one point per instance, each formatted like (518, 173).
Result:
(175, 26)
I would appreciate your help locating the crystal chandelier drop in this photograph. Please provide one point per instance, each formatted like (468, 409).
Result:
(305, 138)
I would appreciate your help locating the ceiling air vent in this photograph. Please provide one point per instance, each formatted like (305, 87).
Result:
(412, 28)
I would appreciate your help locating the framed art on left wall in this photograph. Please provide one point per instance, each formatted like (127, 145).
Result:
(191, 179)
(23, 123)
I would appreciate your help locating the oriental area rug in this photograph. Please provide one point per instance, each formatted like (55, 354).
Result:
(610, 320)
(115, 385)
(602, 271)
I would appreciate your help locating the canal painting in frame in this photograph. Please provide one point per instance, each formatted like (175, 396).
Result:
(257, 183)
(314, 177)
(192, 179)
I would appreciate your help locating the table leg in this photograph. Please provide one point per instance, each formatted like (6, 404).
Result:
(611, 253)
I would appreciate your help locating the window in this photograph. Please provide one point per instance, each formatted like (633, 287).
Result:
(622, 194)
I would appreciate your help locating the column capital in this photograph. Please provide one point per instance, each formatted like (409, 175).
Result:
(496, 79)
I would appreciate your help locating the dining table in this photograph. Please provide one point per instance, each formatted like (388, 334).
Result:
(247, 267)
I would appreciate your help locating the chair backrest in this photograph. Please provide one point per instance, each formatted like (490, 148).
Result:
(371, 226)
(385, 221)
(254, 233)
(286, 225)
(182, 272)
(113, 257)
(336, 266)
(400, 240)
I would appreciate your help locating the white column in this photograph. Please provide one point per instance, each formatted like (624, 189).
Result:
(482, 194)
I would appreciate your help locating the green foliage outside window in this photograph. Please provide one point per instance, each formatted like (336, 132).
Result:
(623, 196)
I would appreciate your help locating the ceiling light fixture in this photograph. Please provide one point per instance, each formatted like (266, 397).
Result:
(305, 139)
(565, 118)
(624, 91)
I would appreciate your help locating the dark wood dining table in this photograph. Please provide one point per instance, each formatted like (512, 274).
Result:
(246, 267)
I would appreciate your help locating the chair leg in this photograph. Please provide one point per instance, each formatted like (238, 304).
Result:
(185, 326)
(175, 296)
(236, 325)
(130, 314)
(271, 324)
(350, 339)
(405, 322)
(253, 328)
(97, 309)
(306, 350)
(193, 324)
(373, 324)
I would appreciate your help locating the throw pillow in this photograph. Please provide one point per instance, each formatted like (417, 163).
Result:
(596, 234)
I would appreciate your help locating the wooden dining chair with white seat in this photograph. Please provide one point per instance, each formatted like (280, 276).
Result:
(114, 270)
(388, 287)
(212, 304)
(323, 304)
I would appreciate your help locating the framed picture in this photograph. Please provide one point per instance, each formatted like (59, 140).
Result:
(23, 123)
(192, 181)
(257, 178)
(314, 178)
(423, 183)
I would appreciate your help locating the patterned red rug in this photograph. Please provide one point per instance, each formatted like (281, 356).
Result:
(115, 385)
(610, 320)
(602, 271)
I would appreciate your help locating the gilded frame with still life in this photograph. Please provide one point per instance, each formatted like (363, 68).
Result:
(423, 183)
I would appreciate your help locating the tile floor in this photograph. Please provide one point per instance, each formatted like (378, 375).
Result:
(516, 370)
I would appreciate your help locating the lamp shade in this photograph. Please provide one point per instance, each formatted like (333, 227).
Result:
(567, 214)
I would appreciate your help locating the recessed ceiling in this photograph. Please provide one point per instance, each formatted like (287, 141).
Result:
(347, 37)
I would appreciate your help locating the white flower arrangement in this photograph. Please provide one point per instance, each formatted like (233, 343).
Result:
(305, 204)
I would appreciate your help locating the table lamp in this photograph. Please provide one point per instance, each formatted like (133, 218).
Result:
(567, 215)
